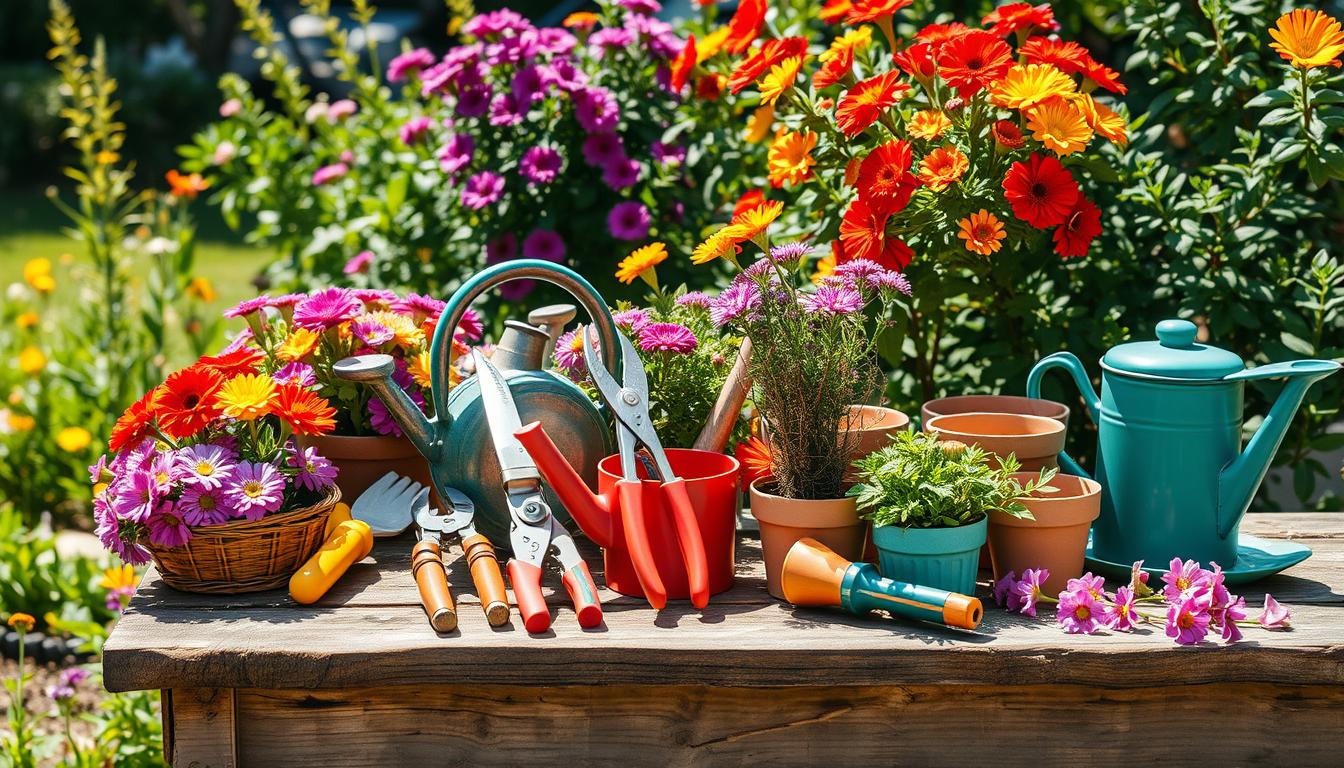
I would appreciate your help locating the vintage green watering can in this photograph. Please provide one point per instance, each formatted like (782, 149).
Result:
(456, 441)
(1175, 478)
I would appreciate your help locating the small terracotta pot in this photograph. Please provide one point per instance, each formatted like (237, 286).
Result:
(875, 427)
(1035, 440)
(361, 460)
(1028, 406)
(1055, 540)
(833, 522)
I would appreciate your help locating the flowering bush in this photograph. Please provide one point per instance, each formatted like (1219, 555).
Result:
(212, 443)
(1194, 603)
(549, 143)
(300, 336)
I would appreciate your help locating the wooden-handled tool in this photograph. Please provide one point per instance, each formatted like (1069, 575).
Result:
(480, 554)
(431, 577)
(719, 426)
(432, 581)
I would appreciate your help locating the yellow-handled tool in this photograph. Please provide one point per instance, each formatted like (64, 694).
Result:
(350, 542)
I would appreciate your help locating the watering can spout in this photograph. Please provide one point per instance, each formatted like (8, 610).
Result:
(375, 371)
(1241, 478)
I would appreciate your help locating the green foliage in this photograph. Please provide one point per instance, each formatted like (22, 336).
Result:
(36, 580)
(921, 482)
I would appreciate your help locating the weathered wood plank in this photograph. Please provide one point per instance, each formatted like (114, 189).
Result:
(698, 725)
(202, 725)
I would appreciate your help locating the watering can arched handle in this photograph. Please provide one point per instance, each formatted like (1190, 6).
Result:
(522, 269)
(1069, 362)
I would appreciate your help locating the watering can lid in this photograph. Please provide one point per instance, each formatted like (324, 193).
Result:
(1175, 355)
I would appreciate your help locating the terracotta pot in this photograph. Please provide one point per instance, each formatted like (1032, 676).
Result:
(362, 460)
(875, 427)
(1035, 440)
(1055, 540)
(1028, 406)
(942, 558)
(833, 522)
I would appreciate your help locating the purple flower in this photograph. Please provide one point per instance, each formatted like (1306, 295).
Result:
(380, 418)
(832, 301)
(529, 85)
(555, 40)
(512, 50)
(375, 298)
(790, 255)
(329, 173)
(457, 153)
(504, 111)
(602, 149)
(408, 62)
(621, 174)
(502, 248)
(596, 109)
(738, 301)
(544, 244)
(1079, 612)
(413, 130)
(204, 506)
(646, 7)
(568, 354)
(1274, 616)
(136, 496)
(473, 101)
(665, 154)
(607, 39)
(1122, 616)
(1003, 588)
(565, 75)
(540, 165)
(1183, 577)
(892, 280)
(631, 320)
(327, 308)
(1028, 589)
(371, 333)
(421, 307)
(205, 466)
(256, 490)
(70, 678)
(359, 263)
(496, 23)
(1188, 618)
(167, 528)
(315, 472)
(98, 471)
(667, 337)
(697, 299)
(297, 373)
(248, 306)
(629, 220)
(482, 189)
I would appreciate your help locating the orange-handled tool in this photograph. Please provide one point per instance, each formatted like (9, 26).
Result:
(480, 554)
(432, 528)
(432, 581)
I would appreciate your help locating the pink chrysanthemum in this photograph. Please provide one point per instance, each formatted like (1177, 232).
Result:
(327, 308)
(167, 528)
(738, 301)
(248, 306)
(256, 490)
(833, 301)
(667, 337)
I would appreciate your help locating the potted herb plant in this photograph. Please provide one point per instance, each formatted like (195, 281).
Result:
(929, 502)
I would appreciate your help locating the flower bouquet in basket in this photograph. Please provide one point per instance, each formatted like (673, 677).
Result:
(204, 476)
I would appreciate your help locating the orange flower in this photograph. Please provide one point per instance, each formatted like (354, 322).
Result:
(941, 33)
(885, 181)
(186, 401)
(942, 167)
(187, 186)
(790, 158)
(1026, 85)
(917, 61)
(303, 410)
(133, 425)
(1104, 77)
(780, 79)
(640, 261)
(298, 344)
(754, 456)
(863, 104)
(863, 231)
(826, 264)
(753, 223)
(720, 244)
(1059, 125)
(745, 26)
(1007, 134)
(1103, 121)
(970, 62)
(749, 199)
(581, 20)
(1308, 39)
(835, 10)
(1040, 190)
(982, 232)
(769, 54)
(834, 69)
(927, 124)
(711, 44)
(683, 64)
(241, 360)
(1014, 17)
(1064, 54)
(874, 10)
(759, 124)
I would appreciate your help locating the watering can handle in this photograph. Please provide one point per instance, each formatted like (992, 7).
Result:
(530, 269)
(1069, 362)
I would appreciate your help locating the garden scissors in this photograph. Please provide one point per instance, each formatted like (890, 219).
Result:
(431, 579)
(534, 532)
(629, 401)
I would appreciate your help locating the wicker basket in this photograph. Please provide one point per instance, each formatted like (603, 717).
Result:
(246, 556)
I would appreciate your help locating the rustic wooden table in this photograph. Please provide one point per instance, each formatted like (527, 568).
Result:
(360, 679)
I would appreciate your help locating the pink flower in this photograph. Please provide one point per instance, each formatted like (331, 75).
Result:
(1028, 589)
(420, 307)
(1122, 616)
(204, 506)
(167, 528)
(339, 110)
(529, 85)
(329, 173)
(408, 62)
(667, 337)
(621, 174)
(1138, 579)
(359, 263)
(495, 23)
(611, 37)
(248, 306)
(1182, 577)
(230, 108)
(1227, 616)
(482, 189)
(1188, 618)
(568, 354)
(375, 298)
(596, 109)
(667, 154)
(697, 299)
(413, 130)
(629, 220)
(224, 152)
(738, 301)
(1274, 616)
(457, 153)
(1003, 589)
(1079, 613)
(315, 472)
(327, 308)
(1094, 585)
(631, 320)
(505, 111)
(540, 165)
(295, 373)
(602, 149)
(470, 327)
(645, 7)
(316, 111)
(256, 490)
(371, 333)
(544, 244)
(832, 301)
(380, 418)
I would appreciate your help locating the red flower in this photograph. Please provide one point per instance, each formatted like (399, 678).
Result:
(754, 456)
(874, 10)
(1080, 228)
(750, 199)
(895, 254)
(941, 33)
(863, 103)
(863, 231)
(970, 62)
(1007, 19)
(1007, 134)
(709, 87)
(835, 10)
(834, 69)
(133, 425)
(185, 403)
(885, 181)
(745, 26)
(1041, 191)
(683, 64)
(1067, 55)
(303, 410)
(917, 61)
(1104, 76)
(770, 53)
(239, 361)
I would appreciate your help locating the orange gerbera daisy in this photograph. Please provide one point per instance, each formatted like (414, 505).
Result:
(186, 401)
(306, 412)
(710, 86)
(1065, 54)
(1028, 84)
(1103, 121)
(885, 181)
(749, 199)
(1308, 39)
(230, 364)
(720, 244)
(1007, 134)
(790, 158)
(711, 43)
(133, 425)
(745, 26)
(186, 185)
(1059, 125)
(982, 232)
(917, 61)
(863, 231)
(863, 104)
(1014, 17)
(941, 33)
(298, 344)
(1040, 190)
(943, 167)
(758, 63)
(780, 79)
(683, 65)
(834, 69)
(1104, 76)
(754, 456)
(753, 223)
(927, 124)
(972, 61)
(640, 261)
(421, 368)
(834, 10)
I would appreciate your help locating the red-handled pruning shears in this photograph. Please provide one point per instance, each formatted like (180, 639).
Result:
(534, 532)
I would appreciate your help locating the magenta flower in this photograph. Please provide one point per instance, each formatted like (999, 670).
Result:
(380, 418)
(482, 189)
(1028, 589)
(544, 244)
(371, 333)
(529, 85)
(1274, 616)
(420, 307)
(329, 173)
(297, 373)
(893, 281)
(470, 327)
(540, 165)
(493, 25)
(167, 528)
(568, 354)
(413, 130)
(315, 472)
(738, 301)
(629, 220)
(204, 506)
(359, 263)
(667, 337)
(602, 149)
(596, 109)
(790, 255)
(631, 320)
(697, 299)
(1003, 589)
(832, 301)
(504, 111)
(502, 248)
(375, 298)
(287, 301)
(1093, 585)
(457, 153)
(136, 496)
(248, 306)
(621, 174)
(230, 108)
(407, 63)
(256, 490)
(474, 101)
(205, 466)
(610, 38)
(1227, 616)
(327, 308)
(1122, 616)
(1182, 577)
(1079, 613)
(1188, 618)
(555, 40)
(667, 154)
(564, 74)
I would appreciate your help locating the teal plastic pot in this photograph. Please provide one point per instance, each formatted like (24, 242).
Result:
(942, 558)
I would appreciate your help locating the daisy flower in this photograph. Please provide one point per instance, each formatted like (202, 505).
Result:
(1081, 226)
(1007, 134)
(753, 223)
(315, 472)
(779, 79)
(247, 397)
(982, 232)
(1040, 190)
(943, 167)
(1059, 126)
(1016, 17)
(863, 104)
(167, 528)
(1028, 84)
(667, 337)
(204, 506)
(205, 466)
(301, 374)
(327, 308)
(719, 244)
(927, 124)
(790, 158)
(186, 401)
(739, 300)
(832, 301)
(568, 354)
(885, 180)
(971, 61)
(640, 264)
(1308, 39)
(305, 411)
(256, 489)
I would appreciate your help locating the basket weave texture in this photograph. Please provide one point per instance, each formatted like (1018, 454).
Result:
(246, 556)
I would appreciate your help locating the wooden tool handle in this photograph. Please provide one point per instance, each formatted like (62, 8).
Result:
(480, 554)
(432, 581)
(719, 426)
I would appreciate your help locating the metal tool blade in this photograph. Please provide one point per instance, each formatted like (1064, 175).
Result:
(502, 415)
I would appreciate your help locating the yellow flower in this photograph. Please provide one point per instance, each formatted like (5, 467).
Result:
(1102, 120)
(20, 423)
(790, 158)
(855, 39)
(37, 273)
(73, 439)
(1059, 126)
(942, 167)
(200, 289)
(420, 366)
(715, 246)
(982, 232)
(825, 268)
(759, 124)
(640, 263)
(927, 124)
(106, 157)
(1028, 84)
(22, 622)
(32, 361)
(247, 397)
(753, 223)
(780, 79)
(1308, 39)
(405, 332)
(297, 345)
(119, 577)
(711, 43)
(27, 320)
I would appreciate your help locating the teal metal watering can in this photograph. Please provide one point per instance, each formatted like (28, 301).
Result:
(456, 441)
(1175, 479)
